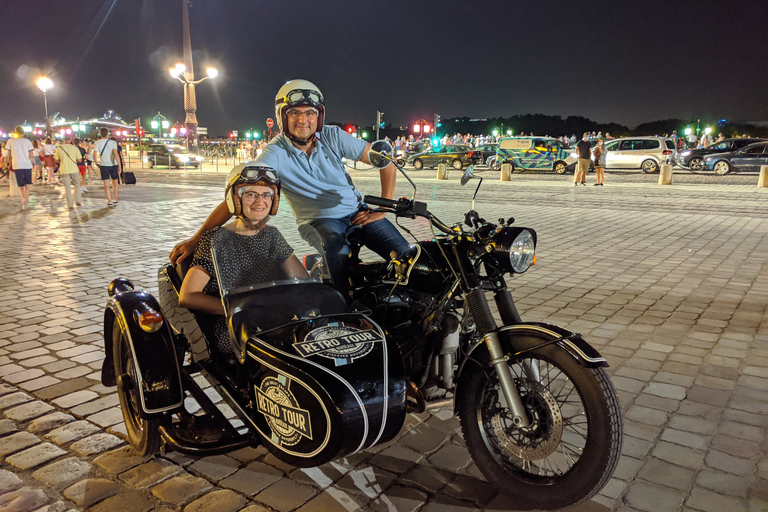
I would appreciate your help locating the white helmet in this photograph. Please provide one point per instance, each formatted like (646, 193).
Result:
(295, 93)
(245, 175)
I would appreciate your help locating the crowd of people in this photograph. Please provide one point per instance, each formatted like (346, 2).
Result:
(70, 163)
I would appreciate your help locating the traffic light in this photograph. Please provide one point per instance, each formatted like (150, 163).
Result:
(380, 119)
(437, 121)
(427, 128)
(350, 128)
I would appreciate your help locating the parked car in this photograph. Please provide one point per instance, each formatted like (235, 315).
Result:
(487, 153)
(694, 158)
(748, 158)
(645, 153)
(171, 155)
(535, 153)
(454, 155)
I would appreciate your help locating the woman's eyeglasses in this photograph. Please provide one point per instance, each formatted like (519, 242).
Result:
(251, 196)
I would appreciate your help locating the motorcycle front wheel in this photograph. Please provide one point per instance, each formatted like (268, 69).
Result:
(143, 434)
(572, 445)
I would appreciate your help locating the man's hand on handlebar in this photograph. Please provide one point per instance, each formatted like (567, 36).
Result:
(365, 217)
(183, 250)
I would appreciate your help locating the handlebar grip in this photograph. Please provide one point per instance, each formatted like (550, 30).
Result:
(380, 201)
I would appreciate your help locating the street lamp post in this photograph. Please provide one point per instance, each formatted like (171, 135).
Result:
(45, 83)
(185, 74)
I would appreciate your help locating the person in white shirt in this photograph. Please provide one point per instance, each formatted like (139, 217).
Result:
(105, 153)
(69, 157)
(20, 150)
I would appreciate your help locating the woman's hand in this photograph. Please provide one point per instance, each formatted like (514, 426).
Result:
(183, 250)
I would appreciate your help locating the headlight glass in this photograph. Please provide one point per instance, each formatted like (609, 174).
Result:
(521, 252)
(183, 158)
(686, 153)
(199, 158)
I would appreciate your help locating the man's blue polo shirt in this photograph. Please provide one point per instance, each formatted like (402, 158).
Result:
(316, 186)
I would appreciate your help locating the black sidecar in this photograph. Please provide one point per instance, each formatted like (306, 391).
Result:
(310, 379)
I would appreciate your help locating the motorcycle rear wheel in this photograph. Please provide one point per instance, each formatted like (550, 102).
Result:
(142, 433)
(573, 444)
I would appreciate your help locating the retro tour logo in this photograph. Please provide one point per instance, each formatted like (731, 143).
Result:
(341, 343)
(281, 409)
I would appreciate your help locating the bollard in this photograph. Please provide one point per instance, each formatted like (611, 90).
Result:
(14, 187)
(665, 174)
(442, 172)
(762, 181)
(506, 172)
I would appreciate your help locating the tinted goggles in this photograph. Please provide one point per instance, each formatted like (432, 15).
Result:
(301, 97)
(260, 174)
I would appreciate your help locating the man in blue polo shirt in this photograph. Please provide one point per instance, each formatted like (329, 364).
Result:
(307, 156)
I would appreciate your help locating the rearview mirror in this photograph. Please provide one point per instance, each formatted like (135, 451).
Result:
(469, 173)
(380, 155)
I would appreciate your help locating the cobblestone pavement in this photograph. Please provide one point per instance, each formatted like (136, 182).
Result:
(669, 282)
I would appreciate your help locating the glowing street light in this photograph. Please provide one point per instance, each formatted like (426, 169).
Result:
(44, 84)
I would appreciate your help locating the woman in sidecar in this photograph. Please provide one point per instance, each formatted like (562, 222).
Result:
(307, 377)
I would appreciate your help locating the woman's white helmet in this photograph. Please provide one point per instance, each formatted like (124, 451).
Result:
(296, 93)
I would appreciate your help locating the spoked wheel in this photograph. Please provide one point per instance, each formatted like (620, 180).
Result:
(418, 164)
(457, 164)
(572, 445)
(649, 166)
(560, 167)
(696, 164)
(721, 168)
(142, 433)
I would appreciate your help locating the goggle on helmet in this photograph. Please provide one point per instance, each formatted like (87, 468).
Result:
(297, 93)
(245, 175)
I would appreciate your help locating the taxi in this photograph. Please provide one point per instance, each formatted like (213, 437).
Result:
(535, 153)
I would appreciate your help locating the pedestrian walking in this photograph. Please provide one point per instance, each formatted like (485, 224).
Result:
(46, 154)
(600, 162)
(583, 150)
(105, 152)
(81, 166)
(68, 157)
(19, 149)
(37, 164)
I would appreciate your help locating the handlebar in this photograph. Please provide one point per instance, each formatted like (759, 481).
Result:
(404, 207)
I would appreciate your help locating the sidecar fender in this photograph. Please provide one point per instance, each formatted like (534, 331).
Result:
(525, 336)
(157, 366)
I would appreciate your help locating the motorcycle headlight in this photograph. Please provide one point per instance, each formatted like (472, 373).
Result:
(512, 249)
(521, 252)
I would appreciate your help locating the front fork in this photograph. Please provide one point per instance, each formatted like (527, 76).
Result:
(481, 312)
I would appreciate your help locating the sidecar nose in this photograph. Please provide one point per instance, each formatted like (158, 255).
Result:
(119, 285)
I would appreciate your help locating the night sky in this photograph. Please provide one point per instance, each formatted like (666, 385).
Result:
(623, 62)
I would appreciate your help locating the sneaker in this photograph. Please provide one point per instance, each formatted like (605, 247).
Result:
(110, 204)
(596, 185)
(575, 184)
(83, 189)
(79, 204)
(114, 203)
(583, 183)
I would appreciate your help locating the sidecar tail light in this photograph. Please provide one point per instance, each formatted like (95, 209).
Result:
(534, 260)
(149, 320)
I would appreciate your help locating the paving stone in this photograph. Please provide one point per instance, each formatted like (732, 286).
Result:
(35, 456)
(736, 447)
(181, 488)
(24, 375)
(9, 482)
(91, 490)
(63, 473)
(285, 495)
(366, 480)
(654, 498)
(665, 390)
(64, 388)
(72, 431)
(76, 398)
(422, 439)
(23, 499)
(634, 447)
(217, 501)
(708, 395)
(39, 383)
(451, 457)
(685, 438)
(119, 460)
(692, 424)
(150, 473)
(252, 479)
(666, 474)
(680, 455)
(107, 418)
(740, 431)
(335, 499)
(49, 421)
(27, 411)
(395, 458)
(12, 399)
(215, 468)
(723, 483)
(96, 443)
(16, 442)
(728, 463)
(467, 488)
(647, 415)
(427, 477)
(7, 426)
(709, 501)
(94, 406)
(130, 501)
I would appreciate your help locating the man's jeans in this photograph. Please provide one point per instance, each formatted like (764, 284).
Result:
(329, 237)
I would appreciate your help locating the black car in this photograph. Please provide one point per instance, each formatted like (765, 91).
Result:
(749, 158)
(487, 153)
(454, 155)
(171, 155)
(694, 158)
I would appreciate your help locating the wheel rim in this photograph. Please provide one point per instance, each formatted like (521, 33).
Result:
(556, 438)
(649, 166)
(128, 379)
(417, 164)
(696, 164)
(560, 168)
(457, 165)
(721, 168)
